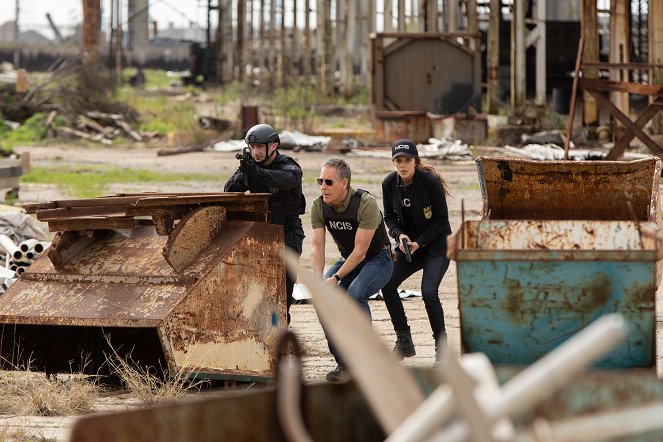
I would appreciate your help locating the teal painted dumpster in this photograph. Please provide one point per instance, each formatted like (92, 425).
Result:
(525, 287)
(560, 244)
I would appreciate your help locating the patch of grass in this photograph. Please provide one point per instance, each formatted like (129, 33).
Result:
(32, 130)
(146, 384)
(361, 95)
(30, 393)
(161, 113)
(92, 180)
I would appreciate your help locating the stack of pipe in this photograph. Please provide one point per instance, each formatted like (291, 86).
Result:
(18, 257)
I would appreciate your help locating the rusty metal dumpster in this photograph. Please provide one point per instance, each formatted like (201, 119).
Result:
(559, 245)
(338, 412)
(191, 282)
(584, 190)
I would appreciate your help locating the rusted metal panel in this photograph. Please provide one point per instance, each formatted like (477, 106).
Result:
(390, 126)
(338, 412)
(560, 235)
(414, 74)
(214, 306)
(572, 190)
(524, 287)
(85, 223)
(231, 319)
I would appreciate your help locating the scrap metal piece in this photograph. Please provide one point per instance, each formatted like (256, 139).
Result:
(193, 234)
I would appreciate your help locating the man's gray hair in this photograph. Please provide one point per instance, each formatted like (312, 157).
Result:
(342, 168)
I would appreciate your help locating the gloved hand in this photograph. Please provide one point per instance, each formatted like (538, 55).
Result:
(248, 166)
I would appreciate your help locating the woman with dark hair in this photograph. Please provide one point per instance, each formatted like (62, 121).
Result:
(415, 211)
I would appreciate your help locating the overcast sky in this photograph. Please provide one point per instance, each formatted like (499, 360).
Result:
(66, 13)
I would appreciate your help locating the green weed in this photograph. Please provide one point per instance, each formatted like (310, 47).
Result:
(32, 130)
(91, 181)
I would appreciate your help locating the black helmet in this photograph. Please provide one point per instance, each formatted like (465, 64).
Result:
(261, 134)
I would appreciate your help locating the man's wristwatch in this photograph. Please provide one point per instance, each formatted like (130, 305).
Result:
(338, 278)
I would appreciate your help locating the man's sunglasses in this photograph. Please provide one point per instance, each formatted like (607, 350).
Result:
(326, 181)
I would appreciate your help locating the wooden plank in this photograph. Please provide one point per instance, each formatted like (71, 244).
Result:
(32, 208)
(603, 101)
(10, 171)
(642, 120)
(180, 210)
(228, 197)
(621, 86)
(572, 111)
(96, 202)
(90, 224)
(74, 212)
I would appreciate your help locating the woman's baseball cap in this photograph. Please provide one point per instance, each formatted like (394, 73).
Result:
(404, 147)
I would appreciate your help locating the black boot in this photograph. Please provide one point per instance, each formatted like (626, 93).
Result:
(438, 349)
(339, 374)
(404, 347)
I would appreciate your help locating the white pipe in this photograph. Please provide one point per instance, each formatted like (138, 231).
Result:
(20, 270)
(41, 246)
(10, 246)
(6, 273)
(623, 423)
(28, 244)
(549, 374)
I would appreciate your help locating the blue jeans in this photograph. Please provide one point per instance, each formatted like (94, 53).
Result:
(362, 282)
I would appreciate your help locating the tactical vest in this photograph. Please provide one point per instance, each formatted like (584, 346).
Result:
(285, 206)
(343, 228)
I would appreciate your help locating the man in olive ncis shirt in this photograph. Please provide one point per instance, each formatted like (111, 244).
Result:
(354, 220)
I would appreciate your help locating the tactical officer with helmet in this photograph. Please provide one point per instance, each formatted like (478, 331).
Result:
(264, 170)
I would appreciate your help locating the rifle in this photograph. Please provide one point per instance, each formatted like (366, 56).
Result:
(406, 249)
(244, 158)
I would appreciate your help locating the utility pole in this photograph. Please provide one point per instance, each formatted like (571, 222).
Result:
(306, 58)
(17, 51)
(118, 38)
(518, 56)
(91, 17)
(239, 47)
(494, 55)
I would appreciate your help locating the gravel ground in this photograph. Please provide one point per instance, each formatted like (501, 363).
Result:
(367, 174)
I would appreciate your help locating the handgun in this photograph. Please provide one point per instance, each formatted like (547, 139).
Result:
(406, 249)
